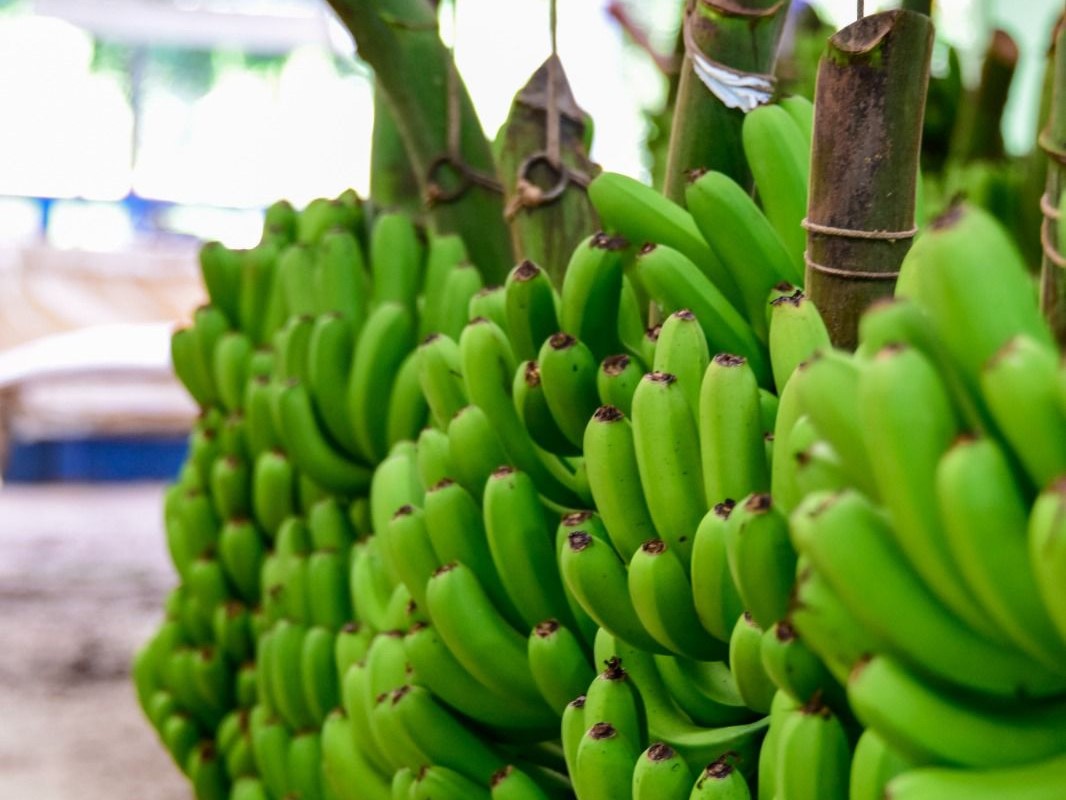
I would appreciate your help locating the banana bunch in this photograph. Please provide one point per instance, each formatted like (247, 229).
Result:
(923, 476)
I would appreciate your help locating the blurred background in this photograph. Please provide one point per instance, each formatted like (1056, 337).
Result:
(130, 131)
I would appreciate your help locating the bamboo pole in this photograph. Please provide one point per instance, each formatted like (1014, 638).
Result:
(735, 38)
(434, 114)
(1053, 142)
(869, 105)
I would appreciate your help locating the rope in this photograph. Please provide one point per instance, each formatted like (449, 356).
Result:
(848, 233)
(453, 157)
(860, 11)
(847, 273)
(735, 88)
(1052, 149)
(1051, 214)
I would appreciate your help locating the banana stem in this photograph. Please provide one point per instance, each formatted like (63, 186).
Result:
(921, 6)
(547, 205)
(393, 185)
(869, 105)
(979, 129)
(400, 40)
(1053, 141)
(734, 36)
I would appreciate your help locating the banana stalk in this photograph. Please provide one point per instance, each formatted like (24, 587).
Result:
(400, 40)
(393, 185)
(549, 211)
(1053, 142)
(978, 133)
(864, 164)
(729, 36)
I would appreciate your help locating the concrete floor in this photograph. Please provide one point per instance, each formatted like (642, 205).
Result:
(83, 572)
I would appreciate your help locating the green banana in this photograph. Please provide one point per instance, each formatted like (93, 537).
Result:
(407, 410)
(850, 544)
(530, 302)
(407, 535)
(475, 447)
(732, 448)
(1047, 554)
(661, 774)
(220, 269)
(1023, 374)
(572, 730)
(350, 646)
(717, 601)
(568, 376)
(674, 282)
(705, 690)
(617, 380)
(292, 344)
(721, 780)
(597, 579)
(330, 355)
(231, 487)
(341, 284)
(614, 478)
(346, 772)
(471, 626)
(745, 659)
(681, 351)
(933, 726)
(604, 764)
(592, 293)
(395, 261)
(387, 338)
(445, 253)
(1041, 780)
(797, 332)
(641, 214)
(794, 667)
(873, 765)
(559, 664)
(761, 559)
(440, 783)
(230, 363)
(612, 697)
(433, 456)
(522, 548)
(296, 276)
(259, 416)
(441, 378)
(982, 506)
(440, 672)
(662, 598)
(319, 674)
(456, 528)
(511, 783)
(813, 755)
(460, 287)
(189, 366)
(778, 153)
(304, 765)
(531, 402)
(489, 304)
(742, 237)
(257, 292)
(666, 444)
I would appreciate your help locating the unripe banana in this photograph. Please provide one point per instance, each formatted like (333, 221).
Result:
(721, 780)
(460, 287)
(597, 579)
(1041, 780)
(270, 748)
(661, 774)
(745, 660)
(232, 628)
(797, 332)
(319, 674)
(617, 380)
(189, 366)
(305, 765)
(572, 730)
(717, 601)
(681, 351)
(207, 772)
(330, 354)
(732, 448)
(471, 626)
(674, 282)
(341, 284)
(778, 154)
(350, 646)
(666, 443)
(1047, 551)
(761, 559)
(568, 375)
(395, 260)
(220, 269)
(490, 304)
(662, 599)
(387, 338)
(522, 547)
(641, 214)
(1023, 374)
(559, 664)
(604, 767)
(440, 672)
(370, 583)
(259, 416)
(794, 668)
(230, 368)
(511, 783)
(530, 303)
(813, 756)
(743, 239)
(440, 783)
(441, 378)
(257, 292)
(531, 402)
(931, 725)
(407, 409)
(850, 544)
(296, 276)
(705, 690)
(346, 772)
(612, 697)
(873, 765)
(592, 292)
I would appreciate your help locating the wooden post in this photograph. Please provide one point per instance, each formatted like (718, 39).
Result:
(869, 105)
